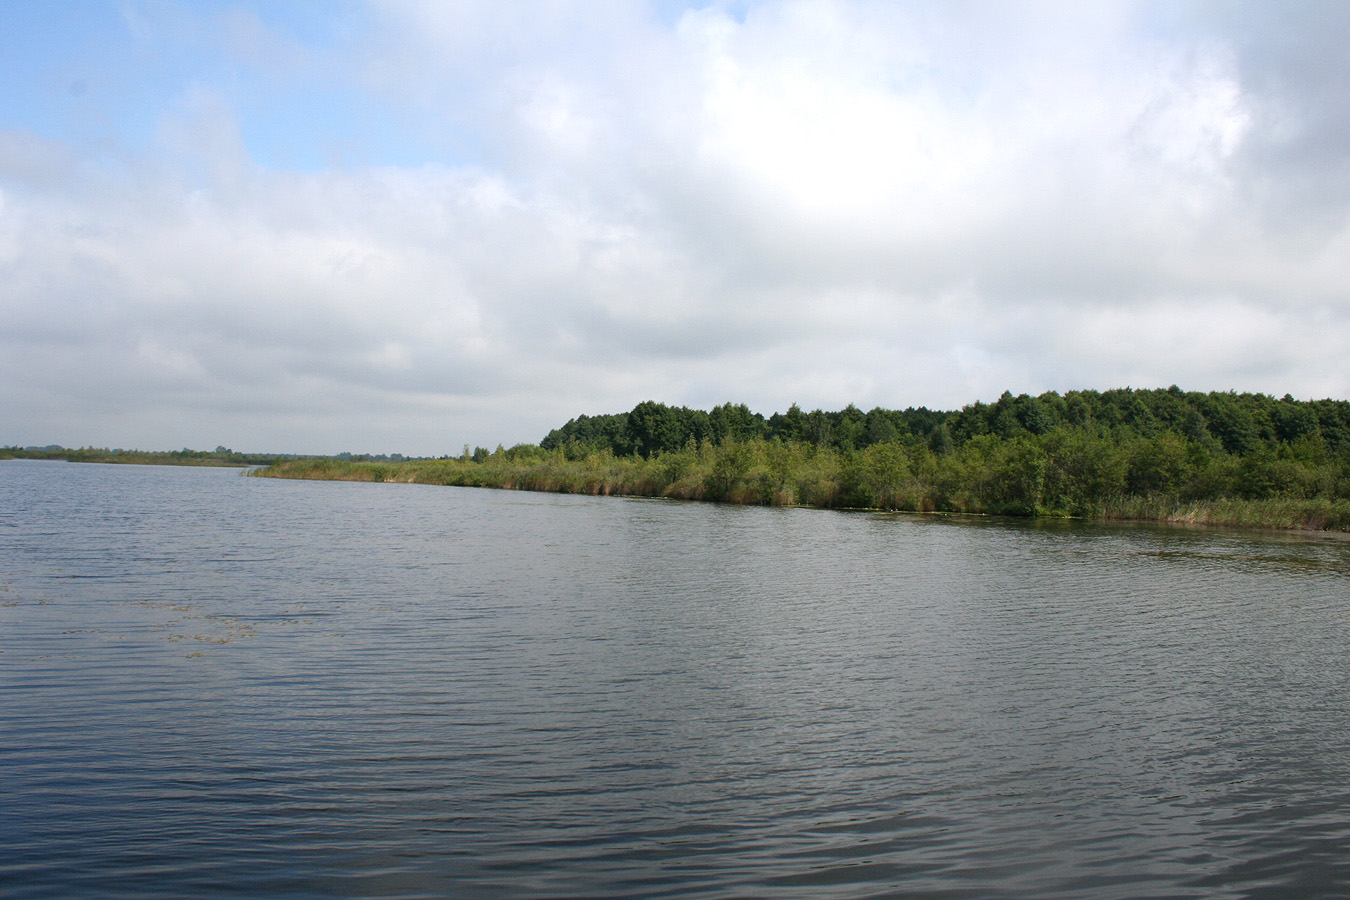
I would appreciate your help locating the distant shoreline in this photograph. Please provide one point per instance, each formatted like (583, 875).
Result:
(604, 477)
(1223, 459)
(596, 477)
(228, 459)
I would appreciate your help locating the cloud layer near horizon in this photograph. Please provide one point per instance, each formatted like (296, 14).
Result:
(497, 217)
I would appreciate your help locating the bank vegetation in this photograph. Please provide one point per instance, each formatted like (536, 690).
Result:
(1241, 460)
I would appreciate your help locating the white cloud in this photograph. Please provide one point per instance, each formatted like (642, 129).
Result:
(818, 202)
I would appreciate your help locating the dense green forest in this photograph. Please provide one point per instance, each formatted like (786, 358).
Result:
(1229, 422)
(1222, 458)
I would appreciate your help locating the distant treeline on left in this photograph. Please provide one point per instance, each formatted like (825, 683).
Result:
(221, 456)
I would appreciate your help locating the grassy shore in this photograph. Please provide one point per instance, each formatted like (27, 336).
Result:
(793, 474)
(1288, 514)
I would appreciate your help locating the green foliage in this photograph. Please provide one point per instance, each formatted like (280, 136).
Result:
(587, 434)
(1084, 467)
(886, 475)
(730, 422)
(654, 427)
(1157, 465)
(1221, 458)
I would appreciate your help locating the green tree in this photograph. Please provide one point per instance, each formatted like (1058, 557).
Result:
(1084, 468)
(1157, 465)
(880, 427)
(653, 427)
(940, 440)
(1293, 420)
(849, 429)
(885, 473)
(1232, 425)
(734, 422)
(789, 426)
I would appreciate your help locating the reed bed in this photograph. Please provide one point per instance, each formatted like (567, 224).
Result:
(883, 477)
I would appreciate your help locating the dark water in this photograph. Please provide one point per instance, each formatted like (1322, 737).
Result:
(220, 686)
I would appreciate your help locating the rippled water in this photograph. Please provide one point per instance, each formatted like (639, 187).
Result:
(220, 686)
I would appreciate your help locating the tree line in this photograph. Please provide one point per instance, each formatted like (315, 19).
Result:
(1227, 422)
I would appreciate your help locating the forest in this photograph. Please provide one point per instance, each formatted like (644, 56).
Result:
(1219, 458)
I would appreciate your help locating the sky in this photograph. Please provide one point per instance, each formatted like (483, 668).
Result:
(403, 226)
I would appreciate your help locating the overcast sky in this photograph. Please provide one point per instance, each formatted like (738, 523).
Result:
(408, 226)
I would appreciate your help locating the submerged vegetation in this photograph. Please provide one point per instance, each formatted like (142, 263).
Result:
(1246, 460)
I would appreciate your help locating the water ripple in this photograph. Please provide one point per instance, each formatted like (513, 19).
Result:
(221, 687)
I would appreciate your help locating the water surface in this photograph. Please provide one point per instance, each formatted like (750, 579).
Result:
(220, 686)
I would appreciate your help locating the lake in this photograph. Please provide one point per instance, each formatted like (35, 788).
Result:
(219, 686)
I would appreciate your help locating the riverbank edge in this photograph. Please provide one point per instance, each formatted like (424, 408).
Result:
(1323, 516)
(201, 459)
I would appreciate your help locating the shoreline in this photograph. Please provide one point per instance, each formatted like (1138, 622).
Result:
(1309, 517)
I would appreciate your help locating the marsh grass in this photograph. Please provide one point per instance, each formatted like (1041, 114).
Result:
(986, 478)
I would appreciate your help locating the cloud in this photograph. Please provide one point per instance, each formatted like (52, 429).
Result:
(823, 203)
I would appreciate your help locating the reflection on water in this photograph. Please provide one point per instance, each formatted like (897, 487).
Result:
(223, 686)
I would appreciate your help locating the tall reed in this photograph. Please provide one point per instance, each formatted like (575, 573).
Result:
(986, 476)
